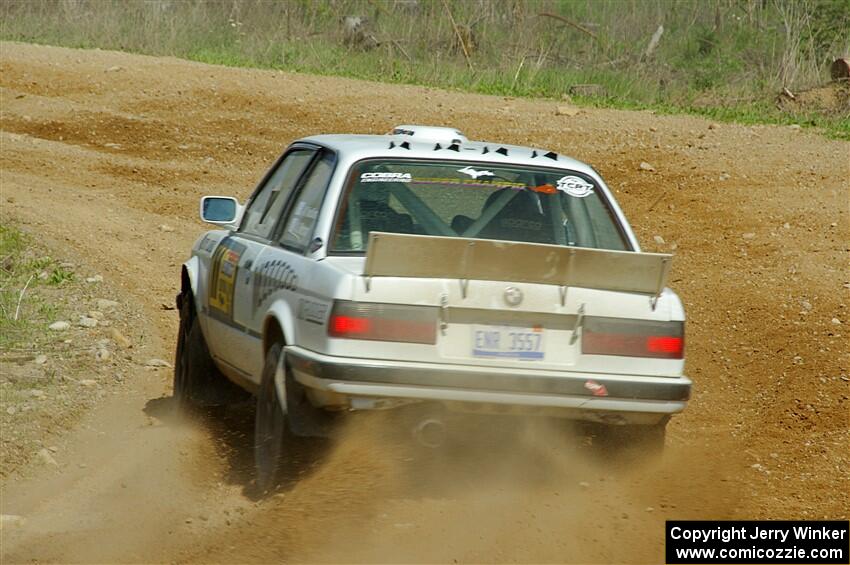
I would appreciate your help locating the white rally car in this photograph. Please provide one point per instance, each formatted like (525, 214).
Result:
(376, 271)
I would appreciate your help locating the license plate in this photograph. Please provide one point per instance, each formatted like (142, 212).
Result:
(507, 342)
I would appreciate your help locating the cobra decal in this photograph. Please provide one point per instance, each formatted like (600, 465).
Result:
(272, 276)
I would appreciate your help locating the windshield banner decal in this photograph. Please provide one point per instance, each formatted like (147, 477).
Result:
(385, 177)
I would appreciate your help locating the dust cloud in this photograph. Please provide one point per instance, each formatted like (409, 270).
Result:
(499, 489)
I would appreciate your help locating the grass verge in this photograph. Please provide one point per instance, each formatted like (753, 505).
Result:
(620, 93)
(49, 377)
(727, 61)
(28, 285)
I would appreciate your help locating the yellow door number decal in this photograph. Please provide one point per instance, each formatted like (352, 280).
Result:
(223, 271)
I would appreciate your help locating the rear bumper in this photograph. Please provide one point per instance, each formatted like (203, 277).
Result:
(366, 383)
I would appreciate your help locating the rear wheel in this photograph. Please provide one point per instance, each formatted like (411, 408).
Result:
(273, 441)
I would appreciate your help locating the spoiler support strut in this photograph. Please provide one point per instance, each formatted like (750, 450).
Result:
(662, 276)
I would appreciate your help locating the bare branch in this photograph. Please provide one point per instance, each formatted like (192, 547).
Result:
(569, 22)
(459, 36)
(21, 297)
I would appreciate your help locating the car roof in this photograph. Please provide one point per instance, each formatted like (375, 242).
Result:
(442, 144)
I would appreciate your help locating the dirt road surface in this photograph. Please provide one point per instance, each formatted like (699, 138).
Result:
(101, 149)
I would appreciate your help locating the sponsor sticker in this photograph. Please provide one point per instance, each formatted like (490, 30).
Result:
(385, 177)
(575, 186)
(313, 312)
(223, 272)
(208, 243)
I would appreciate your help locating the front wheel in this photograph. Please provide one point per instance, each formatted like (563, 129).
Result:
(194, 369)
(181, 362)
(197, 380)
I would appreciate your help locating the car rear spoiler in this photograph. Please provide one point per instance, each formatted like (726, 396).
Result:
(422, 256)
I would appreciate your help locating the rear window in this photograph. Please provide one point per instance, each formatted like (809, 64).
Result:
(512, 203)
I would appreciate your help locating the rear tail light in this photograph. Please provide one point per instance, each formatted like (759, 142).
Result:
(633, 338)
(383, 322)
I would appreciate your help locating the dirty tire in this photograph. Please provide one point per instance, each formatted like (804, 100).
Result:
(273, 442)
(197, 380)
(179, 383)
(181, 387)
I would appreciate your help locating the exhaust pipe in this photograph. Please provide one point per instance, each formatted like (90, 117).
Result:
(430, 433)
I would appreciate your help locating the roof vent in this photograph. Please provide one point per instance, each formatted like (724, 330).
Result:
(502, 151)
(431, 133)
(549, 154)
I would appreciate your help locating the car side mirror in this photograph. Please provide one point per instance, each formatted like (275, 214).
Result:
(220, 210)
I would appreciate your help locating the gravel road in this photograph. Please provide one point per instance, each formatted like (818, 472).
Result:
(102, 149)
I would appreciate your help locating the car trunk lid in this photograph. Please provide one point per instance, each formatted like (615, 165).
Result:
(512, 304)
